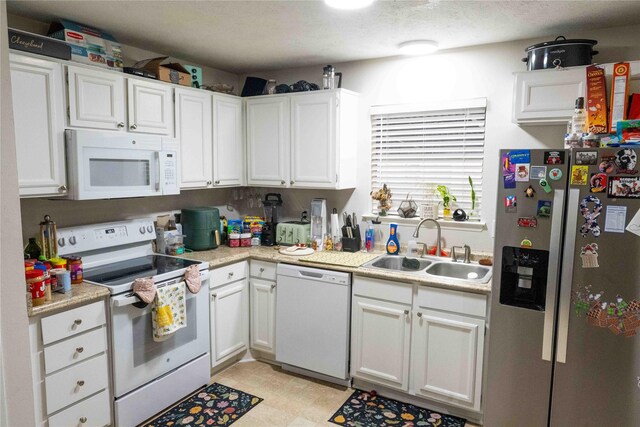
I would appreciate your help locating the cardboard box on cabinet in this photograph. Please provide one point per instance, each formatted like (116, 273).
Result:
(171, 73)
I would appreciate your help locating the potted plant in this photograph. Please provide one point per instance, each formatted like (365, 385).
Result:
(473, 199)
(447, 198)
(383, 196)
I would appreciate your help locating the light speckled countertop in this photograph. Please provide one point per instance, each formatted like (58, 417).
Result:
(80, 294)
(224, 255)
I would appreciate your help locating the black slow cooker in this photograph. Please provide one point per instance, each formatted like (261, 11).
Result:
(560, 53)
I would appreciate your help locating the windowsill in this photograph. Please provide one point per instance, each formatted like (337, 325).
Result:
(449, 224)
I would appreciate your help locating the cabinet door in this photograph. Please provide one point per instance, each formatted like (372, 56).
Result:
(447, 357)
(263, 315)
(193, 130)
(228, 141)
(313, 140)
(547, 96)
(380, 342)
(38, 117)
(150, 107)
(229, 321)
(268, 141)
(96, 98)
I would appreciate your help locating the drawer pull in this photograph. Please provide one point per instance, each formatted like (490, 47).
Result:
(83, 420)
(273, 286)
(76, 323)
(231, 274)
(261, 269)
(419, 314)
(80, 383)
(79, 349)
(406, 312)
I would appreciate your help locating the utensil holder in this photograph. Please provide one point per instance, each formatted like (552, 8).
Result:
(350, 244)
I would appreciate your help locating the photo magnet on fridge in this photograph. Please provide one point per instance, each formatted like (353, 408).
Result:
(624, 187)
(598, 183)
(508, 171)
(626, 160)
(589, 256)
(538, 172)
(520, 156)
(554, 157)
(544, 208)
(510, 204)
(555, 174)
(607, 164)
(579, 175)
(522, 172)
(586, 157)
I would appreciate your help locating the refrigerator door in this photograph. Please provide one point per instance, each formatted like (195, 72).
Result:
(597, 372)
(525, 285)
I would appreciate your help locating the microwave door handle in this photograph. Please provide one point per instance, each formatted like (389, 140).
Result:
(157, 154)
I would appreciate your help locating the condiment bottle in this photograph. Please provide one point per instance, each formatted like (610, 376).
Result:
(32, 250)
(579, 118)
(393, 245)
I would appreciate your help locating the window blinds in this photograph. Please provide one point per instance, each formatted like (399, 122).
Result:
(416, 147)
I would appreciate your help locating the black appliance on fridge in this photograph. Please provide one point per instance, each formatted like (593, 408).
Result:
(564, 334)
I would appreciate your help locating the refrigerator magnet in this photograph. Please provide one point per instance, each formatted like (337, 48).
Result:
(554, 157)
(526, 243)
(545, 186)
(598, 183)
(586, 157)
(626, 160)
(579, 175)
(508, 171)
(624, 187)
(538, 172)
(527, 222)
(590, 216)
(544, 208)
(529, 192)
(520, 156)
(522, 172)
(607, 164)
(589, 256)
(555, 174)
(510, 204)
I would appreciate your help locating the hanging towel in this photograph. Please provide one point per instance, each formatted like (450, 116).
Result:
(168, 312)
(192, 277)
(145, 289)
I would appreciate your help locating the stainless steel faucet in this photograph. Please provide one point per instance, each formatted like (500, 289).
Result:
(467, 253)
(416, 233)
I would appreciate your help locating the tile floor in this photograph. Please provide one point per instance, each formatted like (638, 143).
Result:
(290, 400)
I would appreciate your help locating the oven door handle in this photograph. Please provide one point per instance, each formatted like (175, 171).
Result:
(125, 301)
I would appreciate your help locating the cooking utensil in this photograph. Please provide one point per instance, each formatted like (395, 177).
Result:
(560, 52)
(48, 238)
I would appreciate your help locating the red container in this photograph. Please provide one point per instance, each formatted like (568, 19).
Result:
(36, 285)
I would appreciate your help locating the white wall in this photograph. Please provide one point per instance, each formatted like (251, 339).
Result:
(481, 71)
(15, 380)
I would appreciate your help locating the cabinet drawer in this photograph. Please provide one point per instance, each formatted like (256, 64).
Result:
(454, 301)
(383, 289)
(76, 382)
(263, 270)
(93, 412)
(73, 350)
(229, 273)
(72, 322)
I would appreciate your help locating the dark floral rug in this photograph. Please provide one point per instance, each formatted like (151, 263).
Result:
(214, 405)
(365, 409)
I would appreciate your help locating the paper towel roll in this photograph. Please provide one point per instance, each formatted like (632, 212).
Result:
(335, 226)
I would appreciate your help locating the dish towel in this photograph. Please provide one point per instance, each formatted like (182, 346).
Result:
(168, 311)
(192, 277)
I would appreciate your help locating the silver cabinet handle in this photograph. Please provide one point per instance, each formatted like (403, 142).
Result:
(83, 420)
(79, 349)
(208, 182)
(292, 182)
(282, 182)
(120, 125)
(62, 188)
(213, 296)
(406, 312)
(231, 274)
(419, 315)
(77, 322)
(80, 383)
(273, 286)
(217, 182)
(134, 126)
(261, 269)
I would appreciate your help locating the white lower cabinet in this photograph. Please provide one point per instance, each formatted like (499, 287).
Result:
(71, 367)
(229, 314)
(262, 284)
(440, 331)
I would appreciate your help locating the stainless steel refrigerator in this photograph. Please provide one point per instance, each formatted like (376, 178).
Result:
(564, 334)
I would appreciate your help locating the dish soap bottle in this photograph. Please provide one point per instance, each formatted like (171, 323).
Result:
(393, 246)
(579, 119)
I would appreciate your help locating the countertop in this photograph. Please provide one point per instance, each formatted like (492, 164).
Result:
(80, 294)
(224, 255)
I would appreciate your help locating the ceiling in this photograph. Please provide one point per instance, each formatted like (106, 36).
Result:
(243, 36)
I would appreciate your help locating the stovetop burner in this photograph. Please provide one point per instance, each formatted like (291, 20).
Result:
(124, 272)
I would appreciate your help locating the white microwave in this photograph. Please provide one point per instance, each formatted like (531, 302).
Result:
(111, 165)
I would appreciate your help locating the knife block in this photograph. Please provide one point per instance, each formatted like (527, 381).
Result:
(351, 244)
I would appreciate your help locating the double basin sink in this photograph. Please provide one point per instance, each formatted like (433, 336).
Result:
(441, 268)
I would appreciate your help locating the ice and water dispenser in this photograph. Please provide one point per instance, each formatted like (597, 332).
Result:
(524, 277)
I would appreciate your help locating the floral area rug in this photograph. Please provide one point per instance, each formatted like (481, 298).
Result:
(364, 409)
(214, 405)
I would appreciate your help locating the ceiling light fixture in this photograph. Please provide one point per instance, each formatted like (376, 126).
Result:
(348, 4)
(418, 47)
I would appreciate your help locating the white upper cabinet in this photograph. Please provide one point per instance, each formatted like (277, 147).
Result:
(38, 116)
(268, 141)
(150, 107)
(317, 139)
(228, 141)
(96, 98)
(194, 131)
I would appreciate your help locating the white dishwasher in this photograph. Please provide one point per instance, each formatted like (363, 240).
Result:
(312, 322)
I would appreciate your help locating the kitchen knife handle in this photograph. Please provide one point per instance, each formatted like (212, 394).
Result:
(553, 275)
(564, 307)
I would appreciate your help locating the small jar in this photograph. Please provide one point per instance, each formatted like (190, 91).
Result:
(234, 240)
(74, 265)
(36, 286)
(47, 279)
(58, 263)
(245, 240)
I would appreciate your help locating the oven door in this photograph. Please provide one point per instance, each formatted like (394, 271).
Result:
(137, 358)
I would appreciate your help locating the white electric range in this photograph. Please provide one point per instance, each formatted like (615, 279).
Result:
(147, 376)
